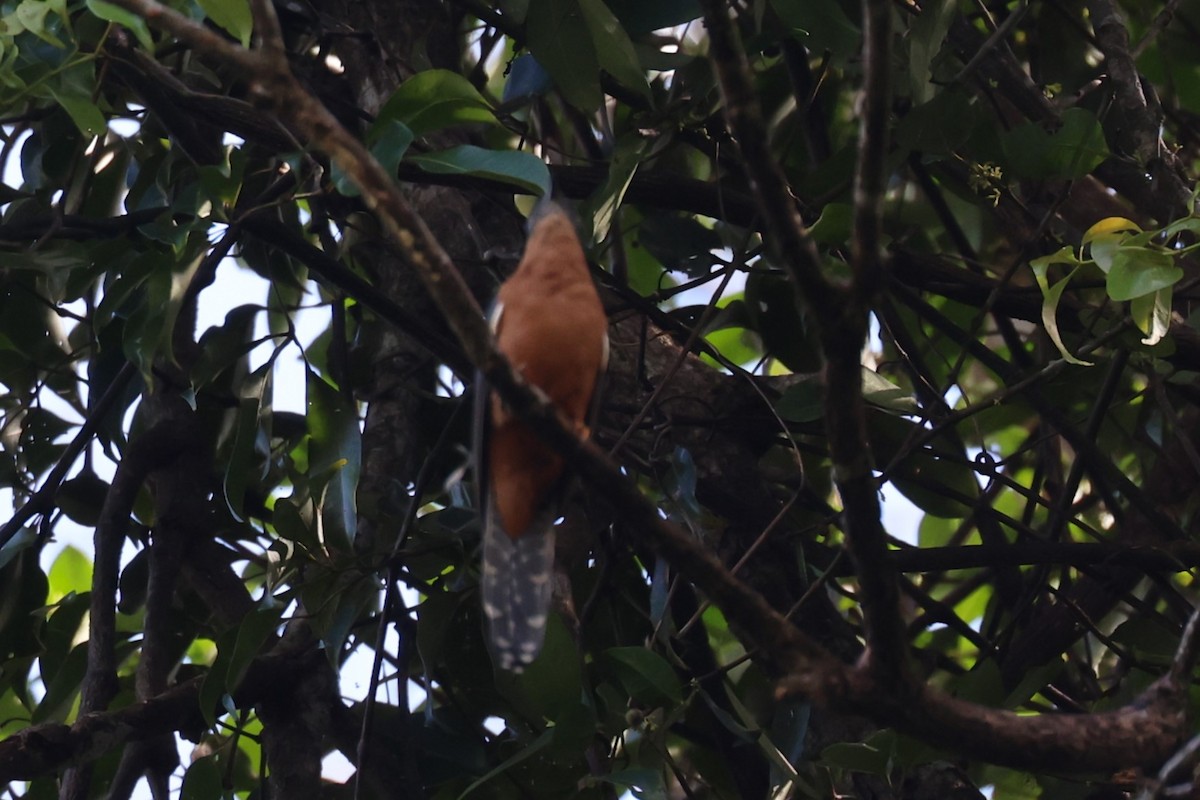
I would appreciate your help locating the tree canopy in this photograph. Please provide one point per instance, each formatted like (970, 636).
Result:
(939, 251)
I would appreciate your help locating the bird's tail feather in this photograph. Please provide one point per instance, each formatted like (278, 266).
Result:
(517, 585)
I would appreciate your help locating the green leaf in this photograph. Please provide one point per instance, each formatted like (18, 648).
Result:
(936, 477)
(559, 38)
(1109, 226)
(552, 684)
(1148, 638)
(202, 780)
(937, 486)
(879, 391)
(776, 315)
(241, 455)
(1140, 271)
(834, 225)
(644, 674)
(24, 537)
(114, 13)
(31, 14)
(1051, 295)
(81, 498)
(574, 728)
(135, 582)
(1190, 224)
(232, 15)
(640, 17)
(214, 687)
(734, 344)
(389, 141)
(643, 783)
(433, 100)
(1010, 784)
(1033, 681)
(70, 572)
(925, 37)
(77, 101)
(602, 206)
(873, 756)
(62, 628)
(802, 401)
(26, 590)
(1152, 314)
(747, 726)
(821, 25)
(514, 167)
(614, 48)
(336, 448)
(62, 691)
(678, 242)
(529, 750)
(939, 126)
(1071, 152)
(256, 629)
(789, 730)
(295, 522)
(434, 618)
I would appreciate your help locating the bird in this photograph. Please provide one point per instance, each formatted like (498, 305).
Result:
(551, 326)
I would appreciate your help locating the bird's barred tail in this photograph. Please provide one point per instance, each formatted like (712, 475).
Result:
(517, 586)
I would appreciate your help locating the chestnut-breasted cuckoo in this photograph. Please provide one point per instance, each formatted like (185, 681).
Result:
(550, 324)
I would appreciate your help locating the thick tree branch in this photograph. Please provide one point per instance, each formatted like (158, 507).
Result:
(153, 448)
(1140, 135)
(41, 749)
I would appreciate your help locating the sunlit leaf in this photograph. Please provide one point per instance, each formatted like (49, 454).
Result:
(1109, 226)
(70, 572)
